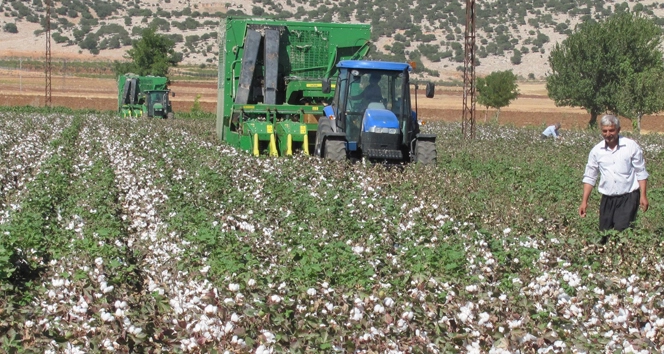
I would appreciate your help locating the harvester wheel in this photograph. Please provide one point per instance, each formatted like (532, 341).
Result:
(335, 150)
(170, 115)
(425, 152)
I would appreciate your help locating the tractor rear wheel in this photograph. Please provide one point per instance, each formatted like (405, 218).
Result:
(425, 152)
(335, 150)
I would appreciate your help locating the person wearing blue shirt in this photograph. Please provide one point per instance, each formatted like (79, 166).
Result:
(551, 131)
(624, 179)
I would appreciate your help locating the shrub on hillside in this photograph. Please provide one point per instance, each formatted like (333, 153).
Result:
(10, 28)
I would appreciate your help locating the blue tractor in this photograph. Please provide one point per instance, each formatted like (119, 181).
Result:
(371, 116)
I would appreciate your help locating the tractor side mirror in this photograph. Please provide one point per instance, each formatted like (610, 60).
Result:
(431, 88)
(326, 87)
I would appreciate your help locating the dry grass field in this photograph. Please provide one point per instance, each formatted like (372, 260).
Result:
(532, 108)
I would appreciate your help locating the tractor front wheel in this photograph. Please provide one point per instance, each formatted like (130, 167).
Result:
(335, 150)
(425, 152)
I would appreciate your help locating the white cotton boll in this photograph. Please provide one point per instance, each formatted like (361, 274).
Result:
(311, 292)
(106, 317)
(502, 297)
(251, 282)
(329, 306)
(355, 314)
(507, 231)
(659, 322)
(473, 348)
(233, 287)
(107, 289)
(229, 301)
(471, 288)
(205, 269)
(514, 324)
(388, 302)
(235, 317)
(484, 318)
(637, 300)
(620, 319)
(51, 294)
(58, 282)
(275, 298)
(119, 313)
(228, 328)
(192, 345)
(210, 309)
(465, 315)
(29, 324)
(650, 333)
(379, 309)
(108, 345)
(269, 337)
(99, 261)
(407, 315)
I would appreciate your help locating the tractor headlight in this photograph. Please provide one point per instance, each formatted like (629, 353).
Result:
(383, 130)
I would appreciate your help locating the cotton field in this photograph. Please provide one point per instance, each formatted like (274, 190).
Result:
(136, 235)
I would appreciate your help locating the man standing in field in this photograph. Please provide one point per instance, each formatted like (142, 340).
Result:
(624, 178)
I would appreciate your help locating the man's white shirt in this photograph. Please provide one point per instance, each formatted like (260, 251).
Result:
(621, 169)
(550, 131)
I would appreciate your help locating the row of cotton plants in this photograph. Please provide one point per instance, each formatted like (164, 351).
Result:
(160, 238)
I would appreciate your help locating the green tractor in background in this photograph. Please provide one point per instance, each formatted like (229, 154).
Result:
(140, 96)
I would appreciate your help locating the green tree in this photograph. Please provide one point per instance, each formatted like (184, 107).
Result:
(607, 66)
(497, 90)
(642, 93)
(153, 54)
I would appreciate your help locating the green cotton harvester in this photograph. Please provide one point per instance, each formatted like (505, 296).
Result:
(271, 76)
(144, 96)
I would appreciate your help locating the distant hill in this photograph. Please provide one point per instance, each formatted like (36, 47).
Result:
(516, 35)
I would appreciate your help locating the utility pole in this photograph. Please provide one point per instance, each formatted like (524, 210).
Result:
(47, 65)
(468, 118)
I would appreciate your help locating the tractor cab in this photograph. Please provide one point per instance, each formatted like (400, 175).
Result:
(371, 113)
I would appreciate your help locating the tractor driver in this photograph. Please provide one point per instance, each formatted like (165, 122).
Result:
(371, 93)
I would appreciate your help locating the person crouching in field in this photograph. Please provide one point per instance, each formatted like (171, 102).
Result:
(623, 181)
(551, 131)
